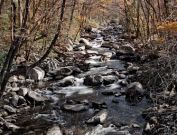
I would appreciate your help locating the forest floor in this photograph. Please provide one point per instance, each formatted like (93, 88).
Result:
(98, 88)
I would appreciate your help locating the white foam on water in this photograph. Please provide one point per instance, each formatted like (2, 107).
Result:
(71, 90)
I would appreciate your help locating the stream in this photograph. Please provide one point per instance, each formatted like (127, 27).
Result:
(90, 102)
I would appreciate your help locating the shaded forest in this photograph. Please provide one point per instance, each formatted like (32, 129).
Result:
(88, 67)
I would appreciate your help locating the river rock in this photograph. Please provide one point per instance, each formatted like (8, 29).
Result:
(115, 100)
(54, 131)
(14, 100)
(109, 80)
(93, 80)
(122, 76)
(68, 81)
(13, 79)
(34, 96)
(11, 126)
(3, 113)
(23, 91)
(86, 43)
(21, 100)
(123, 83)
(134, 92)
(100, 117)
(61, 72)
(36, 74)
(79, 47)
(133, 69)
(75, 107)
(9, 109)
(108, 92)
(98, 105)
(128, 48)
(111, 130)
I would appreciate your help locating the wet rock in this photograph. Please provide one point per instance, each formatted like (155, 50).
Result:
(14, 100)
(122, 76)
(107, 56)
(61, 72)
(15, 89)
(98, 105)
(93, 80)
(100, 117)
(21, 100)
(147, 128)
(128, 48)
(68, 81)
(34, 96)
(20, 77)
(54, 131)
(134, 92)
(134, 125)
(108, 92)
(9, 109)
(86, 43)
(109, 80)
(115, 100)
(36, 74)
(29, 81)
(111, 130)
(79, 48)
(76, 70)
(13, 79)
(23, 91)
(132, 69)
(14, 85)
(153, 120)
(117, 95)
(75, 107)
(123, 83)
(11, 126)
(3, 113)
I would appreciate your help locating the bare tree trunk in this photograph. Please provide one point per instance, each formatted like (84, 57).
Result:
(166, 8)
(1, 5)
(17, 41)
(138, 19)
(72, 15)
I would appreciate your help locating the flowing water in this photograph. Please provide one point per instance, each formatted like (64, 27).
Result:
(37, 119)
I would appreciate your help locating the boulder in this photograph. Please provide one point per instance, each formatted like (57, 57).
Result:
(75, 107)
(108, 92)
(98, 105)
(128, 48)
(14, 100)
(21, 100)
(55, 130)
(116, 100)
(111, 130)
(93, 80)
(23, 91)
(34, 96)
(109, 79)
(11, 126)
(100, 117)
(13, 79)
(61, 72)
(9, 109)
(86, 43)
(68, 81)
(134, 92)
(36, 74)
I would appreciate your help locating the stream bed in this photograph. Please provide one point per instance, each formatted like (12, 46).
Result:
(90, 102)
